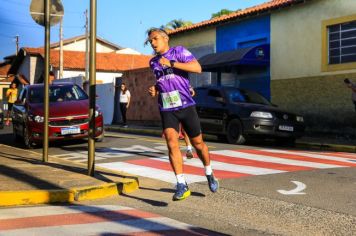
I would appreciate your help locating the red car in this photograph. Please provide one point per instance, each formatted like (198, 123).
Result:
(68, 114)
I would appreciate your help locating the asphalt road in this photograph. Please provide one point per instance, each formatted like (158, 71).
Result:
(290, 192)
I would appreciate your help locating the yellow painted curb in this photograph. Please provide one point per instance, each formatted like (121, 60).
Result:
(31, 197)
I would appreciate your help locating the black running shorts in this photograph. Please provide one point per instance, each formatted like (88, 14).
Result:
(187, 117)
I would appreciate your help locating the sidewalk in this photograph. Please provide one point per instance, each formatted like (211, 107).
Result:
(25, 179)
(325, 143)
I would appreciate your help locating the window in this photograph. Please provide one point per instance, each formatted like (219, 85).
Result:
(338, 44)
(342, 43)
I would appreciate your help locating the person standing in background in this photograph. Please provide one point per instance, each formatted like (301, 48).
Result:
(125, 98)
(11, 95)
(352, 86)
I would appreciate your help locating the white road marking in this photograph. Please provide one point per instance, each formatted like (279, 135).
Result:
(297, 191)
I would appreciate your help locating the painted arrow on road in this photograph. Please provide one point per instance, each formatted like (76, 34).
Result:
(297, 191)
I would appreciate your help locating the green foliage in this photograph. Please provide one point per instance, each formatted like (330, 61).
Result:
(221, 13)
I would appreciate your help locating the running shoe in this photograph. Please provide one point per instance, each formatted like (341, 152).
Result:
(182, 192)
(213, 183)
(189, 154)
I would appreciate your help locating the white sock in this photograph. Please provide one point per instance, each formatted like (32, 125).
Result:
(208, 170)
(189, 148)
(180, 178)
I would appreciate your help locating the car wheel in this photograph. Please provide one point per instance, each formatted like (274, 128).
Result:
(26, 138)
(234, 132)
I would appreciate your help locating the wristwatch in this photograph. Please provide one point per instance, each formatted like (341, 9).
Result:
(172, 63)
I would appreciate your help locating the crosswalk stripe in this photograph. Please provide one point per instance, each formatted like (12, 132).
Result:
(274, 159)
(150, 172)
(300, 157)
(188, 169)
(322, 157)
(257, 163)
(217, 165)
(95, 221)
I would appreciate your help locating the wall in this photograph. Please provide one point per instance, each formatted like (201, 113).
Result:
(200, 43)
(242, 34)
(143, 108)
(101, 77)
(194, 39)
(297, 80)
(296, 44)
(324, 101)
(80, 46)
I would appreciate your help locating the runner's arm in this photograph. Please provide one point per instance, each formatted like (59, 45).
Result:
(192, 66)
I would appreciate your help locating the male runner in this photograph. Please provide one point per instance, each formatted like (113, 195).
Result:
(170, 67)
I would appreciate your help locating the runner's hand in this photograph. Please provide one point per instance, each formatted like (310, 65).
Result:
(152, 91)
(164, 61)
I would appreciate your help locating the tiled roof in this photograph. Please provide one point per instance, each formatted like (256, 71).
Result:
(82, 37)
(75, 60)
(255, 10)
(4, 69)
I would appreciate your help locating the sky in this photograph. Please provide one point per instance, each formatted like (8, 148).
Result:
(123, 23)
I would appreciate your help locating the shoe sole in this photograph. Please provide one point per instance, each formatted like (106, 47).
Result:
(217, 181)
(185, 195)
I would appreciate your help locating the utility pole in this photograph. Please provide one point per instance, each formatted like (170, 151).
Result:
(92, 90)
(61, 48)
(17, 44)
(86, 46)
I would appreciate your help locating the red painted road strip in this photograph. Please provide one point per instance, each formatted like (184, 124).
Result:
(296, 157)
(187, 169)
(263, 164)
(73, 219)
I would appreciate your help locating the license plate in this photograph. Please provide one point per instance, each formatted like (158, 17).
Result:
(70, 130)
(286, 128)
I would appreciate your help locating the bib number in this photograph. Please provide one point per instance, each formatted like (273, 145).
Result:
(171, 99)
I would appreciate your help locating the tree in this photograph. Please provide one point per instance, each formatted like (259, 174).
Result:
(175, 24)
(221, 13)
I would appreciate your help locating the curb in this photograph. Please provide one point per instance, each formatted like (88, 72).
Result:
(31, 197)
(327, 147)
(135, 130)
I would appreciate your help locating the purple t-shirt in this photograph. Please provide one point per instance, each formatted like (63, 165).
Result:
(173, 84)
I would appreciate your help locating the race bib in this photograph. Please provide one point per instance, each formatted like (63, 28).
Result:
(171, 99)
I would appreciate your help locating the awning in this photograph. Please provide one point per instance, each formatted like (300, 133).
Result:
(251, 56)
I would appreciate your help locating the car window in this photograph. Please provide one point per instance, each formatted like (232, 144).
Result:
(35, 95)
(212, 95)
(236, 96)
(241, 95)
(22, 96)
(253, 97)
(58, 93)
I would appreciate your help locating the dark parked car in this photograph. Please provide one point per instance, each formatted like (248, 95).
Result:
(68, 114)
(238, 114)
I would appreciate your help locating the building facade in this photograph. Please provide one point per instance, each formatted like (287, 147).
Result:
(312, 50)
